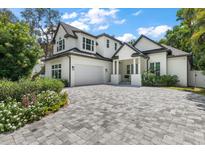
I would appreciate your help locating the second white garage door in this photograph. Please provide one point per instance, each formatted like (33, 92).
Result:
(88, 74)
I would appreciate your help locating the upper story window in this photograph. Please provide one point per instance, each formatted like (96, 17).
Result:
(88, 44)
(115, 46)
(108, 43)
(60, 44)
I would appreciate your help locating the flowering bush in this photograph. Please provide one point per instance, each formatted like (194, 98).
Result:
(14, 114)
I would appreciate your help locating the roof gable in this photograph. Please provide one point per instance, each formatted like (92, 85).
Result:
(127, 51)
(144, 43)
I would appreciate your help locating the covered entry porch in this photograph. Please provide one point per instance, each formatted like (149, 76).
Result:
(128, 71)
(128, 65)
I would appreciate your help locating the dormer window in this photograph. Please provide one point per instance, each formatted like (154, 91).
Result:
(108, 43)
(60, 45)
(88, 44)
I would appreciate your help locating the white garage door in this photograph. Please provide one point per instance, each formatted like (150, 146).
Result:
(87, 74)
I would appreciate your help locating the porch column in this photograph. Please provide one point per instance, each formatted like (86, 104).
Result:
(139, 65)
(134, 66)
(117, 67)
(113, 67)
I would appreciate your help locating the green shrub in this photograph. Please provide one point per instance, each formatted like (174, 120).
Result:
(150, 79)
(14, 114)
(65, 82)
(16, 90)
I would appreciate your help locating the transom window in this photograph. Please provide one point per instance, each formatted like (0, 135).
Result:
(155, 68)
(108, 43)
(60, 44)
(56, 71)
(88, 44)
(115, 46)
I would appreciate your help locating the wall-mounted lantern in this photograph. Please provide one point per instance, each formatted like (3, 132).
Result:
(73, 68)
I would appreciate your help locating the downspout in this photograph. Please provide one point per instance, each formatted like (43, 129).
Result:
(147, 63)
(69, 70)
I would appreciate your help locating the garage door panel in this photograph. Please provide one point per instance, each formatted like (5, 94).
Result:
(88, 74)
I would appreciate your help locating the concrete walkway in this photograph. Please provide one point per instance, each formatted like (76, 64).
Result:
(105, 114)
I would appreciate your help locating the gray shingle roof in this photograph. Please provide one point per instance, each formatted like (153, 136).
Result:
(76, 51)
(176, 52)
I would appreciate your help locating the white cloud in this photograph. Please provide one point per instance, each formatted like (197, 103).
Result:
(137, 13)
(157, 31)
(96, 19)
(126, 37)
(69, 16)
(103, 27)
(119, 22)
(80, 25)
(98, 16)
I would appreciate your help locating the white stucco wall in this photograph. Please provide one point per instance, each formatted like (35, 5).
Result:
(178, 66)
(145, 44)
(69, 41)
(125, 53)
(159, 57)
(102, 46)
(64, 61)
(200, 78)
(76, 60)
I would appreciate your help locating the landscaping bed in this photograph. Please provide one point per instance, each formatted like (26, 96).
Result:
(200, 91)
(26, 101)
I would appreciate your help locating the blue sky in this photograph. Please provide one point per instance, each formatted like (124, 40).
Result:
(124, 24)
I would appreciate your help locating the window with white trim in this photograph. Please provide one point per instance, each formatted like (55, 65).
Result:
(56, 71)
(88, 44)
(60, 44)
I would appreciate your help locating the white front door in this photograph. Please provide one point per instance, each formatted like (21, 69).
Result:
(88, 74)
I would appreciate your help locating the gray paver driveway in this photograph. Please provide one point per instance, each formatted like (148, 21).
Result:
(105, 114)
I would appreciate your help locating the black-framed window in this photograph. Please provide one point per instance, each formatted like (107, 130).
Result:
(60, 44)
(92, 45)
(56, 71)
(128, 69)
(83, 43)
(88, 44)
(108, 43)
(157, 69)
(152, 67)
(115, 46)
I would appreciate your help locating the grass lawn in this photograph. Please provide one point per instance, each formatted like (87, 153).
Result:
(190, 89)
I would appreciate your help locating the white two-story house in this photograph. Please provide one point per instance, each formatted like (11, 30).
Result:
(83, 59)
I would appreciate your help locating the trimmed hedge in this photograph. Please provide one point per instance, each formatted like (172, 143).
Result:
(16, 90)
(150, 79)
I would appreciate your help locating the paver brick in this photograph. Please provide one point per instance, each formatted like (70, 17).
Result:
(106, 114)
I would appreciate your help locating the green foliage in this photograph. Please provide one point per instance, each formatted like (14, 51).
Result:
(16, 90)
(189, 35)
(15, 114)
(42, 22)
(150, 79)
(18, 50)
(65, 82)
